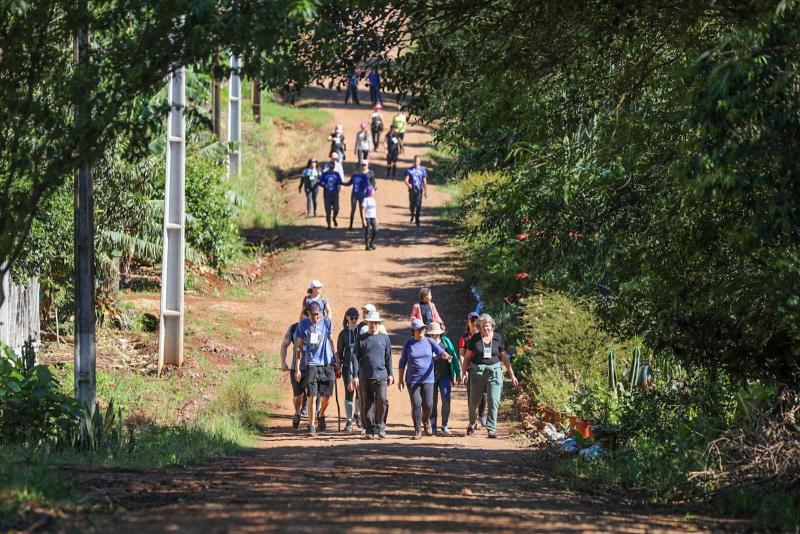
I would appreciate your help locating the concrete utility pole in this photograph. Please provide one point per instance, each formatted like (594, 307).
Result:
(83, 213)
(170, 342)
(235, 117)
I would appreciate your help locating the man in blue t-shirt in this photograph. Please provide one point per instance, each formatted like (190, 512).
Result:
(331, 183)
(375, 87)
(315, 345)
(360, 183)
(417, 182)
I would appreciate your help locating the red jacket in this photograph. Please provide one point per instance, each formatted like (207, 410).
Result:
(416, 313)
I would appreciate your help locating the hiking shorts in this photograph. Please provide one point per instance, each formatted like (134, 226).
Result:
(298, 388)
(320, 380)
(392, 156)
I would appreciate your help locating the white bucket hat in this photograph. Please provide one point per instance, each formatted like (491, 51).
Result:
(435, 329)
(373, 317)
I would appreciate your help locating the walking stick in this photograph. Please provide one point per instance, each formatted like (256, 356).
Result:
(338, 408)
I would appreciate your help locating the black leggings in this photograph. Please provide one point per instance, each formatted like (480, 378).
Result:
(355, 204)
(331, 207)
(421, 403)
(370, 231)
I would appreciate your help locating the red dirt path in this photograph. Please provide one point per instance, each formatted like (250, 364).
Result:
(336, 481)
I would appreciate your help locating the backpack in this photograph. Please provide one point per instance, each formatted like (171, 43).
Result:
(377, 122)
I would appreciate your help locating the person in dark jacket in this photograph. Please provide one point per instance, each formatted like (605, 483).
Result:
(346, 349)
(373, 376)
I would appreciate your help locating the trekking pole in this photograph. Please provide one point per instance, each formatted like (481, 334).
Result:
(338, 408)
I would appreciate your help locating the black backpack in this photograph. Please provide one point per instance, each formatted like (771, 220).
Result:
(377, 122)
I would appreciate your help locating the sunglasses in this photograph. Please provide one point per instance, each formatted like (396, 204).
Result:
(352, 317)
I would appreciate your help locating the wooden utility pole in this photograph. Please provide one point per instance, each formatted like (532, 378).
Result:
(255, 97)
(216, 104)
(83, 213)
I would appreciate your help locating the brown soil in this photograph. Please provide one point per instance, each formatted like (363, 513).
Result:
(337, 481)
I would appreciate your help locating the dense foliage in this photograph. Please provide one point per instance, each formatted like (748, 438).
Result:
(647, 155)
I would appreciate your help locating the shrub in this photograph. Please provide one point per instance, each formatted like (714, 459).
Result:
(33, 408)
(567, 349)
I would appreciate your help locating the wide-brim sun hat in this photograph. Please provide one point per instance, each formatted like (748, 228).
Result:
(373, 317)
(435, 329)
(315, 283)
(416, 324)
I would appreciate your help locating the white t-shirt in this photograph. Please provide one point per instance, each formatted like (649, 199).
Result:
(370, 208)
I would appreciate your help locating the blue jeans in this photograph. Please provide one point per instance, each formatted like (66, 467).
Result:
(443, 386)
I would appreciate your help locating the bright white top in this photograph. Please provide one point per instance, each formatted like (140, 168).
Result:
(370, 208)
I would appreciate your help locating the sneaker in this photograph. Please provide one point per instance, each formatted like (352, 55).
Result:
(321, 423)
(369, 435)
(372, 247)
(382, 433)
(348, 427)
(428, 429)
(417, 434)
(304, 411)
(335, 223)
(470, 430)
(492, 434)
(312, 430)
(367, 248)
(358, 421)
(444, 432)
(296, 421)
(412, 219)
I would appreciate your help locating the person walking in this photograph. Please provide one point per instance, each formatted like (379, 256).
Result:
(416, 370)
(338, 143)
(331, 183)
(370, 174)
(374, 79)
(374, 376)
(309, 181)
(369, 213)
(425, 310)
(315, 343)
(417, 182)
(485, 351)
(352, 89)
(314, 294)
(400, 121)
(394, 144)
(359, 182)
(366, 309)
(376, 126)
(346, 351)
(363, 144)
(471, 330)
(298, 391)
(445, 374)
(337, 164)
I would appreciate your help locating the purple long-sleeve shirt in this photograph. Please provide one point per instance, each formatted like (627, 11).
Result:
(419, 356)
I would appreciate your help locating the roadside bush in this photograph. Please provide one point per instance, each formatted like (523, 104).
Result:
(212, 228)
(566, 352)
(34, 410)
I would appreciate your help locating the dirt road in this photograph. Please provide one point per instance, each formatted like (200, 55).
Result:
(336, 481)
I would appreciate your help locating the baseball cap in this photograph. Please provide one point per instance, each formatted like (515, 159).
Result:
(416, 324)
(472, 315)
(370, 308)
(363, 125)
(316, 283)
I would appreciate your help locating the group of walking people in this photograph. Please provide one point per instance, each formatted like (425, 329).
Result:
(330, 177)
(362, 356)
